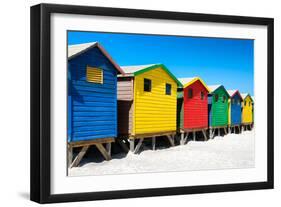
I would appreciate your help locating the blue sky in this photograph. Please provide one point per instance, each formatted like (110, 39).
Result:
(216, 60)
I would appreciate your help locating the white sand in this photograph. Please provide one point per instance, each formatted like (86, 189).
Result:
(230, 151)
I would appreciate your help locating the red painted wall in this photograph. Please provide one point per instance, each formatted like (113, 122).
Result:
(195, 109)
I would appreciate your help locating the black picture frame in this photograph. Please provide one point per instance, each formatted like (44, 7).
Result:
(41, 99)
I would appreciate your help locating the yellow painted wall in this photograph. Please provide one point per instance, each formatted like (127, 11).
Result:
(247, 115)
(154, 111)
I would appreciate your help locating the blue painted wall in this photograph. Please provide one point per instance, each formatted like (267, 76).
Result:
(236, 110)
(92, 107)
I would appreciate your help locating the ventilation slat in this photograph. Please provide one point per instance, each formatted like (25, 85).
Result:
(94, 75)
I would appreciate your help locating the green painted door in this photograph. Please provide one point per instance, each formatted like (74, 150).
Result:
(220, 108)
(180, 110)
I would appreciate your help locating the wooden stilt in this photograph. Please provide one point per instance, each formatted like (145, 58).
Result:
(225, 132)
(205, 135)
(108, 148)
(79, 157)
(103, 151)
(219, 133)
(185, 138)
(153, 143)
(194, 136)
(182, 141)
(171, 140)
(138, 146)
(70, 155)
(132, 145)
(123, 145)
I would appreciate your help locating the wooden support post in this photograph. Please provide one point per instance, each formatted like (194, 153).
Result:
(138, 146)
(225, 132)
(69, 155)
(79, 157)
(123, 145)
(171, 140)
(108, 148)
(219, 131)
(194, 136)
(132, 145)
(185, 138)
(103, 151)
(182, 141)
(153, 143)
(204, 134)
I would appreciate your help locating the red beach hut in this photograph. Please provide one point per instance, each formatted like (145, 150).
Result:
(194, 110)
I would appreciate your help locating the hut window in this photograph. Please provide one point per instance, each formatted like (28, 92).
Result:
(168, 89)
(238, 102)
(202, 95)
(249, 103)
(245, 103)
(216, 97)
(94, 75)
(223, 99)
(190, 93)
(147, 85)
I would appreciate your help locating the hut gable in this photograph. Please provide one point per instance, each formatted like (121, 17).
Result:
(234, 107)
(154, 100)
(195, 101)
(92, 104)
(247, 109)
(218, 106)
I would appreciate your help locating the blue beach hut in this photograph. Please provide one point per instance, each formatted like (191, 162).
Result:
(235, 101)
(92, 98)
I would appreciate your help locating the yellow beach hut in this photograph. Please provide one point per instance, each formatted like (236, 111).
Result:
(247, 110)
(147, 104)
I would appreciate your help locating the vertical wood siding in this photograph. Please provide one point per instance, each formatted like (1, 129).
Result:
(154, 111)
(195, 109)
(93, 106)
(125, 96)
(218, 111)
(235, 110)
(247, 111)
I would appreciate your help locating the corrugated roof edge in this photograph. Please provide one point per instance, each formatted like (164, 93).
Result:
(236, 91)
(220, 87)
(96, 44)
(247, 94)
(194, 80)
(157, 66)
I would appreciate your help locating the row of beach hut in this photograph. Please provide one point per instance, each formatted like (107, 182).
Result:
(108, 103)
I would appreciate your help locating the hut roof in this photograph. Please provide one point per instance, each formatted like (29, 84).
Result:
(213, 88)
(135, 70)
(78, 49)
(244, 95)
(233, 92)
(188, 81)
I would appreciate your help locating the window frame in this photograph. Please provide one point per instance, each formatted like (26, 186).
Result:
(189, 93)
(216, 98)
(170, 91)
(144, 85)
(202, 95)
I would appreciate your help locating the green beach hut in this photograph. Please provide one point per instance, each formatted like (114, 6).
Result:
(217, 109)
